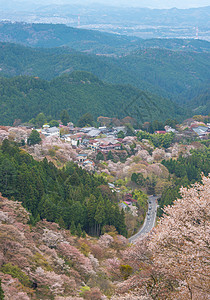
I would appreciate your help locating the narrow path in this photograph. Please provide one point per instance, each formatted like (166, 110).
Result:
(149, 221)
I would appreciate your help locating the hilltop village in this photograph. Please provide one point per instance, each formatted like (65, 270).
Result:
(129, 159)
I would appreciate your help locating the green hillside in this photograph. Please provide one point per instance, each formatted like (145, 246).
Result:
(201, 103)
(56, 194)
(173, 74)
(57, 35)
(80, 92)
(91, 41)
(176, 44)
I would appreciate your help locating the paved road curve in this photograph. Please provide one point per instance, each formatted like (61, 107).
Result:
(149, 221)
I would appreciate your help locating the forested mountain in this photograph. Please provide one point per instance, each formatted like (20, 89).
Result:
(70, 194)
(57, 35)
(201, 103)
(79, 92)
(177, 75)
(91, 41)
(176, 44)
(172, 74)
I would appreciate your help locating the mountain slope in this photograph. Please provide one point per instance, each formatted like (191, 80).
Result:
(90, 41)
(201, 103)
(174, 74)
(80, 92)
(57, 35)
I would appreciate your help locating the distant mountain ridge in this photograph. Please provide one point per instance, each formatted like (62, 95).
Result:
(134, 21)
(90, 41)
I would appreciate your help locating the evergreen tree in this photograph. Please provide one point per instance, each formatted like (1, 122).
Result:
(83, 234)
(86, 120)
(100, 215)
(122, 226)
(129, 130)
(34, 138)
(61, 222)
(120, 135)
(64, 117)
(99, 156)
(54, 123)
(109, 155)
(40, 120)
(79, 230)
(1, 292)
(91, 209)
(73, 228)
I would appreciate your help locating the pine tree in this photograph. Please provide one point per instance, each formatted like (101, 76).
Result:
(64, 117)
(91, 209)
(61, 222)
(100, 156)
(79, 230)
(122, 225)
(109, 156)
(100, 214)
(73, 228)
(86, 120)
(34, 138)
(1, 292)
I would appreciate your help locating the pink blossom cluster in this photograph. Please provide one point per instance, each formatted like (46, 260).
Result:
(105, 240)
(82, 263)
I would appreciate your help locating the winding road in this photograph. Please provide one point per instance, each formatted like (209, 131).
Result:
(149, 221)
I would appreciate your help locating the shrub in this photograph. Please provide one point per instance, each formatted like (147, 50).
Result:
(93, 294)
(126, 271)
(109, 229)
(16, 272)
(52, 152)
(97, 251)
(84, 289)
(41, 262)
(85, 249)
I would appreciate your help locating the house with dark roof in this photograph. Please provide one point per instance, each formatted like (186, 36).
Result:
(52, 131)
(81, 157)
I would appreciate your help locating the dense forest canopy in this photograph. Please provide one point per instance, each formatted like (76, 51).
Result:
(68, 196)
(185, 171)
(178, 75)
(79, 93)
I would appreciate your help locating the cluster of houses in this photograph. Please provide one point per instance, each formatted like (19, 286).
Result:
(199, 129)
(104, 139)
(87, 140)
(91, 139)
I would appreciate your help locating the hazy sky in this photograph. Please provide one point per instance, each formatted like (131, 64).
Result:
(149, 3)
(137, 3)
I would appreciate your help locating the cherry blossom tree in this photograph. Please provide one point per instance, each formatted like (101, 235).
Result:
(180, 243)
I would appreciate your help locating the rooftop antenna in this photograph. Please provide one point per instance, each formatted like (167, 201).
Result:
(78, 24)
(196, 33)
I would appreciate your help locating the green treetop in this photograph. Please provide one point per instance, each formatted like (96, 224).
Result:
(64, 117)
(34, 138)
